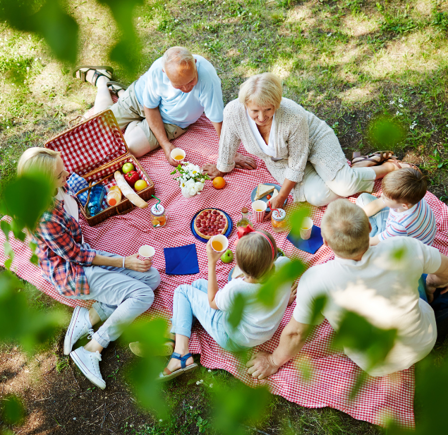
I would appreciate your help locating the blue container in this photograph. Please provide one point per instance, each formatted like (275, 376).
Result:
(96, 199)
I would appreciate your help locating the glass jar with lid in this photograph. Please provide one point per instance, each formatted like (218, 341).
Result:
(158, 216)
(278, 220)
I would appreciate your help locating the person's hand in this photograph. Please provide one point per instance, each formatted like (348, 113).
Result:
(212, 255)
(212, 171)
(293, 294)
(245, 162)
(132, 262)
(262, 365)
(432, 287)
(167, 150)
(276, 202)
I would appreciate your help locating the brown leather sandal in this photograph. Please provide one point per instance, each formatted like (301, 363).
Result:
(382, 156)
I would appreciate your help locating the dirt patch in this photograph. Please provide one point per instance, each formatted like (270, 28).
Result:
(66, 402)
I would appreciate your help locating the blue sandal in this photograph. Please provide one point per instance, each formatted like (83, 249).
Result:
(167, 375)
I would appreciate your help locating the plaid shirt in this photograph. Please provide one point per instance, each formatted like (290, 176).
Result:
(61, 252)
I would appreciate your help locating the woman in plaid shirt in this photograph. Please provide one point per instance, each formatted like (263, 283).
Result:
(123, 287)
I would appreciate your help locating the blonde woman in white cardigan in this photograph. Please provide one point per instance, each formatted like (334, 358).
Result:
(300, 151)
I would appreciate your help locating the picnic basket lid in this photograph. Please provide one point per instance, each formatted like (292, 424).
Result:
(91, 144)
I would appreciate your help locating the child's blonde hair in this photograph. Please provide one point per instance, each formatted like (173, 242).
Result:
(254, 254)
(406, 185)
(38, 159)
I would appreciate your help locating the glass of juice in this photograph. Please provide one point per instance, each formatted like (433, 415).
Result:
(259, 208)
(178, 154)
(307, 227)
(219, 243)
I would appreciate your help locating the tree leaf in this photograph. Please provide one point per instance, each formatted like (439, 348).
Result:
(288, 273)
(26, 198)
(6, 228)
(236, 404)
(12, 410)
(48, 19)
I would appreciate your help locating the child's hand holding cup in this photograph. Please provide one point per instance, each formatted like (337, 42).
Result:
(216, 246)
(145, 254)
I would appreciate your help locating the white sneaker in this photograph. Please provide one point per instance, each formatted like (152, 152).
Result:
(80, 326)
(89, 364)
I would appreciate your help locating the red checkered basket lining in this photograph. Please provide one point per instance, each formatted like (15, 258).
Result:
(91, 144)
(333, 373)
(116, 167)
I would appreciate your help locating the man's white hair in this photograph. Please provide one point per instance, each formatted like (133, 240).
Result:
(179, 56)
(345, 227)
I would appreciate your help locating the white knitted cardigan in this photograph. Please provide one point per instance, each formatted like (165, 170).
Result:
(299, 137)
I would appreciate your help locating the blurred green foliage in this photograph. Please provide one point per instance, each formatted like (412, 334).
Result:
(12, 410)
(50, 20)
(236, 405)
(357, 333)
(386, 133)
(47, 19)
(143, 372)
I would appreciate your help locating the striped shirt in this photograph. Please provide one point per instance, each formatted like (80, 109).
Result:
(417, 222)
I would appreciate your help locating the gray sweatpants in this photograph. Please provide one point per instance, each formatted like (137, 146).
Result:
(121, 295)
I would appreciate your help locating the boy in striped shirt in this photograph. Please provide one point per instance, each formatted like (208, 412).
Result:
(401, 209)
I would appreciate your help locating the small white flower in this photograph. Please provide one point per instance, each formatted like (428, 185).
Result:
(74, 418)
(209, 370)
(139, 18)
(193, 190)
(400, 100)
(400, 105)
(398, 113)
(250, 13)
(211, 385)
(191, 407)
(160, 420)
(7, 126)
(391, 102)
(328, 34)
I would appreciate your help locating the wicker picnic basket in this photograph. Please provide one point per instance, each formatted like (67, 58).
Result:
(95, 149)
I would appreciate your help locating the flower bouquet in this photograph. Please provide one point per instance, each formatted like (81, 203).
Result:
(191, 179)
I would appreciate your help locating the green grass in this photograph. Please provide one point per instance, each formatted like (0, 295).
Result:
(347, 61)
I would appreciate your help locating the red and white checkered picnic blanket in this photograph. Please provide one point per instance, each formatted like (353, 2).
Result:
(333, 374)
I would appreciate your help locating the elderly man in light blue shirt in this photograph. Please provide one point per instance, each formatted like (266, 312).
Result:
(164, 101)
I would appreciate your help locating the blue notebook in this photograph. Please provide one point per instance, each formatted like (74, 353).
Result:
(311, 245)
(182, 260)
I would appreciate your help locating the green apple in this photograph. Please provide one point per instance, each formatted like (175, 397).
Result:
(227, 257)
(127, 167)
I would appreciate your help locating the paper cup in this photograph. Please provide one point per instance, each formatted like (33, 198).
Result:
(307, 227)
(220, 243)
(178, 154)
(145, 252)
(259, 208)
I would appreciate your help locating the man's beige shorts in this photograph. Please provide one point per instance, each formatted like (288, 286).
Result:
(127, 109)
